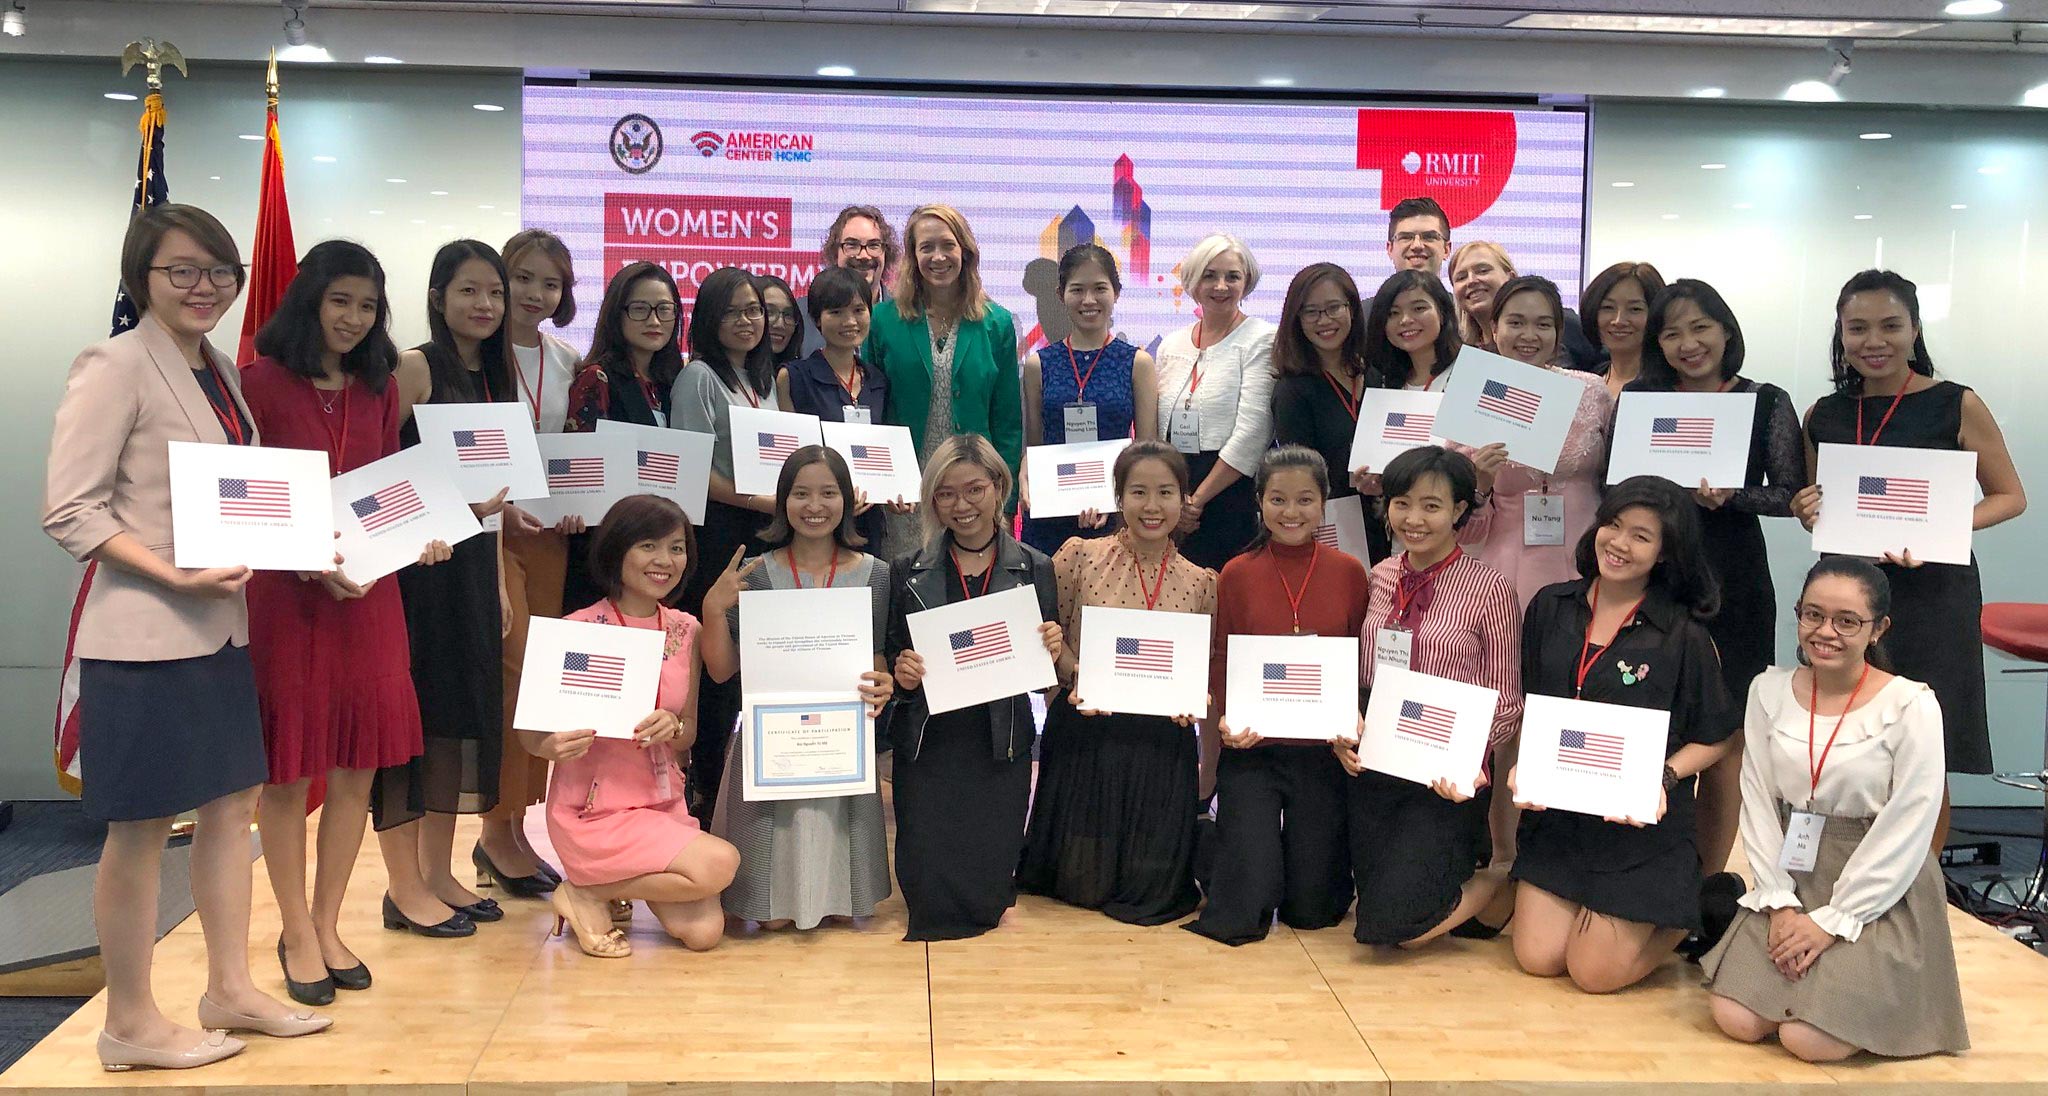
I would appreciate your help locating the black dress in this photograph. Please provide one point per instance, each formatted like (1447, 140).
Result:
(815, 390)
(454, 622)
(1937, 633)
(1649, 875)
(1307, 410)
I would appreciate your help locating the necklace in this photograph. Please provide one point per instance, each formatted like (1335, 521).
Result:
(327, 405)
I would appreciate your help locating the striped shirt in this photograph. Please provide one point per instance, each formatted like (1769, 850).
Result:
(1472, 632)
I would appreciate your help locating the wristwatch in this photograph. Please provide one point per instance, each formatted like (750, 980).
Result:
(1670, 777)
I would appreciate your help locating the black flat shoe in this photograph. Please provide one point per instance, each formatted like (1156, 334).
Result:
(355, 977)
(548, 870)
(1718, 894)
(457, 925)
(484, 910)
(537, 885)
(1472, 928)
(305, 993)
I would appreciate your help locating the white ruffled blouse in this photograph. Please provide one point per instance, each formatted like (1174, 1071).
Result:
(1886, 765)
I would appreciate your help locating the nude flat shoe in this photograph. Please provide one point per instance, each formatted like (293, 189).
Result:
(117, 1056)
(216, 1018)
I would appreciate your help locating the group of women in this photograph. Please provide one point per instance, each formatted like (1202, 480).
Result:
(392, 699)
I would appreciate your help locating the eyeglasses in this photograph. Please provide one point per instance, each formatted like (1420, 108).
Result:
(186, 276)
(862, 247)
(745, 312)
(640, 310)
(1328, 312)
(1424, 237)
(974, 493)
(780, 316)
(1847, 625)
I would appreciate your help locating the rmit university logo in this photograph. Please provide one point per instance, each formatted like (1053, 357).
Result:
(708, 143)
(636, 144)
(1462, 158)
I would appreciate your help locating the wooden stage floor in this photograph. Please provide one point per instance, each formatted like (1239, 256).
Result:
(1060, 1001)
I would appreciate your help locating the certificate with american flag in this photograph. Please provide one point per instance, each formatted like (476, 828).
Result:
(805, 746)
(675, 464)
(1425, 728)
(1685, 437)
(250, 506)
(1143, 662)
(1489, 398)
(579, 675)
(1292, 686)
(762, 439)
(882, 459)
(1391, 421)
(1606, 760)
(1067, 479)
(982, 649)
(586, 473)
(387, 511)
(486, 447)
(1879, 499)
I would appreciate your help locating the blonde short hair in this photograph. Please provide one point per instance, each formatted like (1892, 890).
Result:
(911, 294)
(1468, 328)
(959, 449)
(1212, 247)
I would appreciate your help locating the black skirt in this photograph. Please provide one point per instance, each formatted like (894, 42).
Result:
(959, 828)
(1650, 876)
(1228, 522)
(455, 625)
(157, 739)
(725, 530)
(1745, 630)
(1412, 852)
(1937, 637)
(1113, 822)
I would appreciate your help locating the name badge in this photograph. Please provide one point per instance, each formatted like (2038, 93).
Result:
(1393, 647)
(663, 791)
(1542, 519)
(660, 419)
(1186, 430)
(1080, 418)
(493, 523)
(854, 413)
(1802, 841)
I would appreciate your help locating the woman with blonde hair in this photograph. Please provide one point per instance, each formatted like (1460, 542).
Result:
(1478, 269)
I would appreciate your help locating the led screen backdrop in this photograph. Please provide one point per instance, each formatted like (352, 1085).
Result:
(701, 179)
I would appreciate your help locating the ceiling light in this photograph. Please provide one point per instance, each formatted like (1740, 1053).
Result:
(1671, 216)
(438, 193)
(1991, 169)
(323, 159)
(492, 107)
(376, 213)
(1709, 93)
(1622, 183)
(836, 70)
(381, 59)
(306, 54)
(419, 220)
(486, 205)
(215, 178)
(295, 25)
(2036, 96)
(394, 180)
(1863, 216)
(1812, 91)
(1712, 167)
(1973, 7)
(1748, 27)
(15, 22)
(1276, 81)
(250, 136)
(1879, 135)
(119, 96)
(1958, 205)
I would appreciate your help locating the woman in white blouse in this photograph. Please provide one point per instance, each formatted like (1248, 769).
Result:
(1844, 945)
(1216, 398)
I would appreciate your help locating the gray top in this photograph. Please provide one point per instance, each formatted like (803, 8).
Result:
(701, 403)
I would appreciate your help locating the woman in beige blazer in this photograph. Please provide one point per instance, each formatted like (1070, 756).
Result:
(168, 717)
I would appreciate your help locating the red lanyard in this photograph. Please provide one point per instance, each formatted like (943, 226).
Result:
(1195, 369)
(224, 409)
(986, 576)
(1350, 401)
(1730, 383)
(1158, 584)
(1588, 654)
(851, 384)
(1428, 577)
(1435, 377)
(338, 437)
(1881, 423)
(1074, 363)
(1315, 553)
(747, 390)
(540, 381)
(652, 395)
(789, 556)
(1814, 768)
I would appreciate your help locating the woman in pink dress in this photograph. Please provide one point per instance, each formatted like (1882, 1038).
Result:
(616, 811)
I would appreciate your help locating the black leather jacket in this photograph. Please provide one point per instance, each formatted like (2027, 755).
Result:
(918, 583)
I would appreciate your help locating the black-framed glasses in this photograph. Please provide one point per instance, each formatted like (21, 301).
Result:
(744, 312)
(1846, 625)
(640, 310)
(862, 247)
(186, 276)
(780, 315)
(1335, 311)
(1431, 237)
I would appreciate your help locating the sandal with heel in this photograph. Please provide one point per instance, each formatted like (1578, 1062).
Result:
(608, 945)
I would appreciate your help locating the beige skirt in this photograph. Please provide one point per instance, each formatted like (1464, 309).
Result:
(1893, 992)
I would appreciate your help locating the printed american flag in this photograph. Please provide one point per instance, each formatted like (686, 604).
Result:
(570, 472)
(658, 468)
(1291, 679)
(481, 446)
(774, 448)
(1326, 535)
(1891, 495)
(1590, 749)
(808, 719)
(255, 498)
(583, 670)
(979, 642)
(1145, 656)
(1681, 433)
(872, 458)
(1502, 398)
(1425, 722)
(388, 506)
(1082, 473)
(1408, 426)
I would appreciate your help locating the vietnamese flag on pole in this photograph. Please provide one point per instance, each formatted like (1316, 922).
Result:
(276, 259)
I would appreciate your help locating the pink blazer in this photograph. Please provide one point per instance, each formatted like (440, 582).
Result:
(125, 401)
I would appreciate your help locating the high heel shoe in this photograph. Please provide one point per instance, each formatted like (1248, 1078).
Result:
(117, 1056)
(609, 945)
(305, 993)
(215, 1018)
(537, 885)
(458, 924)
(483, 909)
(548, 870)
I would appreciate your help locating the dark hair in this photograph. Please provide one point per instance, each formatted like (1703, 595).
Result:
(293, 334)
(1847, 380)
(554, 250)
(1089, 253)
(794, 348)
(1149, 450)
(1386, 364)
(1877, 589)
(1658, 375)
(1412, 467)
(1286, 458)
(1604, 283)
(1542, 287)
(779, 532)
(1682, 571)
(892, 252)
(609, 349)
(631, 520)
(835, 287)
(146, 233)
(1416, 207)
(444, 362)
(1293, 354)
(714, 297)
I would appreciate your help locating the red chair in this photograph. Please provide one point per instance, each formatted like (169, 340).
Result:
(2020, 631)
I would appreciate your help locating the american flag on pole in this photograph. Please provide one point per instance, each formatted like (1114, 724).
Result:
(255, 498)
(481, 446)
(1082, 473)
(774, 448)
(1145, 656)
(979, 642)
(583, 670)
(1408, 426)
(1291, 679)
(1425, 722)
(1681, 433)
(872, 458)
(388, 506)
(657, 468)
(1589, 749)
(1503, 398)
(1891, 495)
(572, 472)
(1326, 535)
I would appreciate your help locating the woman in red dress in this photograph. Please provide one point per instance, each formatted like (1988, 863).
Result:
(333, 670)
